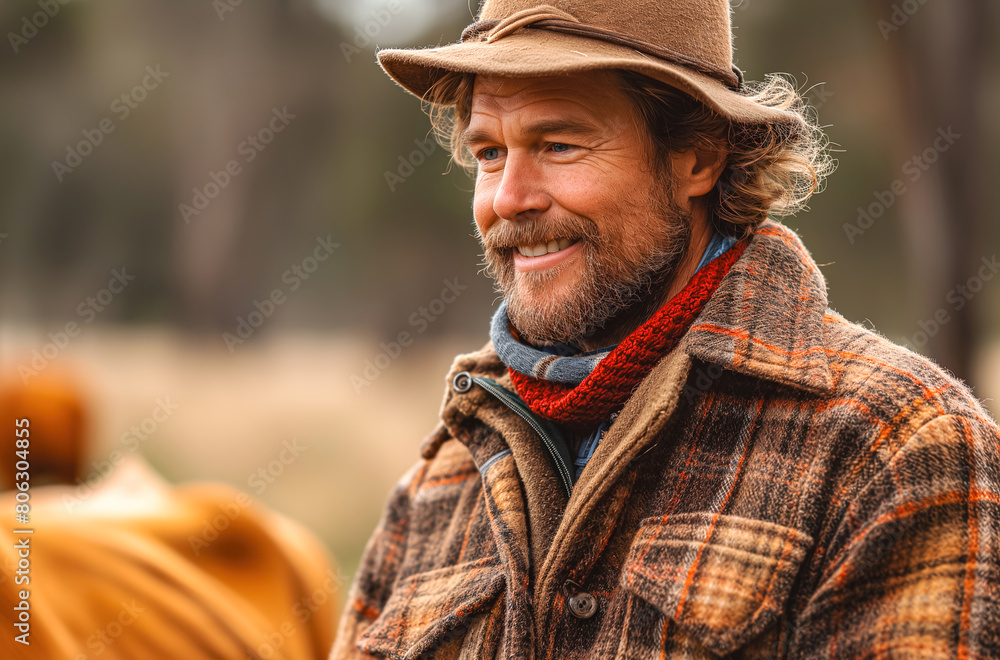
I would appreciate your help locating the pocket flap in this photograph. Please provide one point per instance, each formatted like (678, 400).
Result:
(723, 579)
(429, 609)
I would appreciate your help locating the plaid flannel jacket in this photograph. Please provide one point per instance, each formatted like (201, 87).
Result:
(783, 484)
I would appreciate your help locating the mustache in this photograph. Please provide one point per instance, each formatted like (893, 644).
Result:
(507, 235)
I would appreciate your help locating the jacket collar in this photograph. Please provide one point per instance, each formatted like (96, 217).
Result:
(765, 320)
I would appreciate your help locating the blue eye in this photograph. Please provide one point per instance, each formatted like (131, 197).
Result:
(491, 154)
(559, 147)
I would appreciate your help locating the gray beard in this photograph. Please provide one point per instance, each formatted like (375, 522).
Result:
(614, 297)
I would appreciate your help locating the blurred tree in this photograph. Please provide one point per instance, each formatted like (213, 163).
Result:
(940, 60)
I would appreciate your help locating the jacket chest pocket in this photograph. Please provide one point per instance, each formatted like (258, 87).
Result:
(705, 584)
(431, 611)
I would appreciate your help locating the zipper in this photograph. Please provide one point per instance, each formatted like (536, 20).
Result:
(493, 459)
(550, 438)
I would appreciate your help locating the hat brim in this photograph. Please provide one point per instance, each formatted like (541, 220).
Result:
(531, 53)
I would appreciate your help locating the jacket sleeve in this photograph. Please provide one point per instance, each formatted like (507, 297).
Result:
(379, 568)
(914, 567)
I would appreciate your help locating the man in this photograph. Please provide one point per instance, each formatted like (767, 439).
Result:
(671, 447)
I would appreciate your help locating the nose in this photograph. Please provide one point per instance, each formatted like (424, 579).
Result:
(521, 192)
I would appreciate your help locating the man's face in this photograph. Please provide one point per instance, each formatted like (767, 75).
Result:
(580, 232)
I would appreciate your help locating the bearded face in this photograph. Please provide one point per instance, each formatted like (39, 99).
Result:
(581, 234)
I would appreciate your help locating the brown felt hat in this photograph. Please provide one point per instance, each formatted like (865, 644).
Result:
(684, 43)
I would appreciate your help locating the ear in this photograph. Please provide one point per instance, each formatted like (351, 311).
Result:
(696, 171)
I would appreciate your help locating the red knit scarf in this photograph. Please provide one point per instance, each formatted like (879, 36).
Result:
(609, 385)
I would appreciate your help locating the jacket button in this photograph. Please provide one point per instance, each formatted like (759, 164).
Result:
(582, 605)
(462, 382)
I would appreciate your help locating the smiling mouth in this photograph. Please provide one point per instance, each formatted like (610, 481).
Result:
(541, 249)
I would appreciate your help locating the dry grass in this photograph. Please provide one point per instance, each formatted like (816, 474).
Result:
(234, 411)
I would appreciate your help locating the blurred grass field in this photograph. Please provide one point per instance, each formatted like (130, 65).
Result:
(233, 412)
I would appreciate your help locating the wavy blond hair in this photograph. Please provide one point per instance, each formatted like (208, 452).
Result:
(771, 169)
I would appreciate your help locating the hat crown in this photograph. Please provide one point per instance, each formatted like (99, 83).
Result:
(697, 28)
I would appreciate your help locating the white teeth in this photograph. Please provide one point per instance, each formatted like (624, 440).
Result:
(545, 248)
